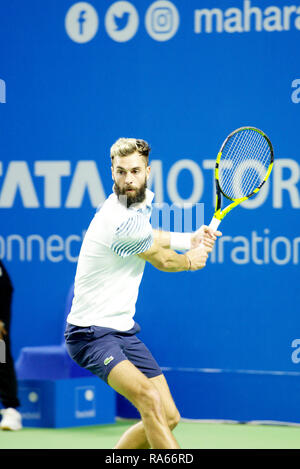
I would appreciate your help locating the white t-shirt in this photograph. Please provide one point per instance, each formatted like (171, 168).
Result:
(109, 272)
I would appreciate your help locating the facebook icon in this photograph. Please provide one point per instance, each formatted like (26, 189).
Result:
(81, 20)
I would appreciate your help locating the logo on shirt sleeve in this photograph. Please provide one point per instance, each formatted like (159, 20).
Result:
(108, 360)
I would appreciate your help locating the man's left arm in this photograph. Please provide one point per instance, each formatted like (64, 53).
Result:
(162, 238)
(186, 241)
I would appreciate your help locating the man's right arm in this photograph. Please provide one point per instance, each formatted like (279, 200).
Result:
(169, 261)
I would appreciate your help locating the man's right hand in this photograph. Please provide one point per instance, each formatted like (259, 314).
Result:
(3, 331)
(197, 257)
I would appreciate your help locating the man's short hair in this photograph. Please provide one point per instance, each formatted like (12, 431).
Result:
(127, 146)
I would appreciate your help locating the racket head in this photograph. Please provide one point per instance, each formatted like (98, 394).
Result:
(244, 163)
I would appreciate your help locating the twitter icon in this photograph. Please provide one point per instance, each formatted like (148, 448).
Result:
(121, 21)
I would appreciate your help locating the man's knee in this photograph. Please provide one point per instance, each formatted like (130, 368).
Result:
(148, 400)
(149, 403)
(173, 418)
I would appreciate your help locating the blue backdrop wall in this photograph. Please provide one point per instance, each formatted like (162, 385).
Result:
(182, 75)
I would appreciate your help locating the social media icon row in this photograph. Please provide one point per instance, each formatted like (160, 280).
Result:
(122, 21)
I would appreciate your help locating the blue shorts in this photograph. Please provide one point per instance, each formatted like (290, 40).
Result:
(100, 349)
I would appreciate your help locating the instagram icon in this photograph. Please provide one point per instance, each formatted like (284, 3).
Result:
(162, 20)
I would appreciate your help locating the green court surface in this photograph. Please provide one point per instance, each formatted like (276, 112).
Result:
(190, 435)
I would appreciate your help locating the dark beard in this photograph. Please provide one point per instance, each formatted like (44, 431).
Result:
(127, 199)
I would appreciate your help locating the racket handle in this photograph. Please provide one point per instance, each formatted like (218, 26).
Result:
(214, 224)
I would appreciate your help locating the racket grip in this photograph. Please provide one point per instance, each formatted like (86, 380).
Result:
(214, 224)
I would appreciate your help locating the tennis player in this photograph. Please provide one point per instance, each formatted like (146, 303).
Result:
(101, 331)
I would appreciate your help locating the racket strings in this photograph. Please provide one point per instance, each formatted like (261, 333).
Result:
(238, 152)
(228, 158)
(244, 162)
(256, 174)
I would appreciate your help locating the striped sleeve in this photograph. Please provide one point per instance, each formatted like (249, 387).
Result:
(133, 236)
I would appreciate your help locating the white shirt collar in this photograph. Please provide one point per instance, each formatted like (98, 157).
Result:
(146, 203)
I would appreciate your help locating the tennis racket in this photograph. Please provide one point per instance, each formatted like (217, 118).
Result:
(243, 165)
